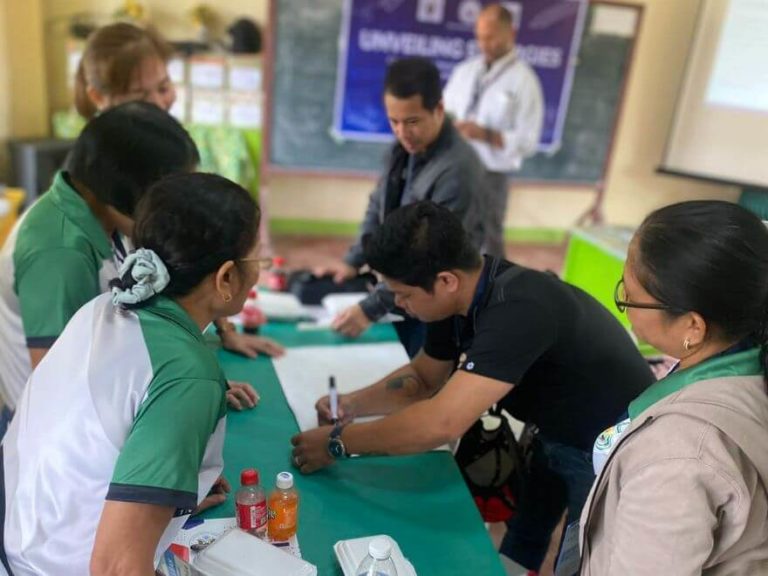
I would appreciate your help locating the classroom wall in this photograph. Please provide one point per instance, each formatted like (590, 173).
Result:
(23, 100)
(632, 186)
(5, 128)
(170, 16)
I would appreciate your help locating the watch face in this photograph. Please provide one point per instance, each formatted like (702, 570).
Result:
(336, 448)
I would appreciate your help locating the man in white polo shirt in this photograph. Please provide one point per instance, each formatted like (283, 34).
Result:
(498, 106)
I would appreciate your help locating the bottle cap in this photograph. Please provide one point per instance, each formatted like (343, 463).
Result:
(284, 480)
(278, 261)
(249, 476)
(380, 548)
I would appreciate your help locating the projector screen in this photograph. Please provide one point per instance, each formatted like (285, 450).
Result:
(720, 128)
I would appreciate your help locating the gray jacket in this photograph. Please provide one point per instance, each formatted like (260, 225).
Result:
(448, 173)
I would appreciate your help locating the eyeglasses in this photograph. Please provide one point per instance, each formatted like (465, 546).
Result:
(264, 263)
(621, 302)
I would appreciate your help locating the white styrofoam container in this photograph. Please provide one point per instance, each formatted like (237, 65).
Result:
(351, 552)
(240, 554)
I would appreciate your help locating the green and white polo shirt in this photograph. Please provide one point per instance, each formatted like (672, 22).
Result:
(57, 258)
(127, 406)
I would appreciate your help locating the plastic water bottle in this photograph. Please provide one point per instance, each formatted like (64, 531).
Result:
(378, 561)
(251, 504)
(283, 508)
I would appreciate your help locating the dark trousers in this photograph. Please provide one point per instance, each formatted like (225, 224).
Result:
(560, 477)
(412, 334)
(497, 186)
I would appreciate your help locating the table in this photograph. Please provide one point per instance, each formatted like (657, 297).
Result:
(420, 500)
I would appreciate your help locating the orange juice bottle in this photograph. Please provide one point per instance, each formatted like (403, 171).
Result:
(283, 508)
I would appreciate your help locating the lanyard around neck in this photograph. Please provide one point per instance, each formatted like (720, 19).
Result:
(483, 81)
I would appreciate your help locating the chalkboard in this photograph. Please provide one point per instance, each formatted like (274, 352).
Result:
(302, 82)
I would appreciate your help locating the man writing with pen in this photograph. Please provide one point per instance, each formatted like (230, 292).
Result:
(333, 400)
(547, 352)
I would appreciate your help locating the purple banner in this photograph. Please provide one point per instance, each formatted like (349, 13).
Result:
(375, 32)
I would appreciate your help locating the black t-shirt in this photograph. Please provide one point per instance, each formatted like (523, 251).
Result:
(573, 365)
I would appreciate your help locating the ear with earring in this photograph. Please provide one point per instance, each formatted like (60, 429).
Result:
(228, 298)
(687, 344)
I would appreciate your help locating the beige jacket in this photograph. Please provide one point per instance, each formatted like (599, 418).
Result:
(685, 491)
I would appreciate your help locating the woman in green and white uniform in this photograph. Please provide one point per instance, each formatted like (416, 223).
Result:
(68, 245)
(119, 434)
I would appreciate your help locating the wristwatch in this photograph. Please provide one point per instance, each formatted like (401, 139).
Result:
(336, 447)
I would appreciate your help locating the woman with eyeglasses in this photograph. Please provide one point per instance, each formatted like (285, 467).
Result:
(683, 489)
(100, 468)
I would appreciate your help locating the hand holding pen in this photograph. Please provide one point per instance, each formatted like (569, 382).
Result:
(333, 398)
(334, 407)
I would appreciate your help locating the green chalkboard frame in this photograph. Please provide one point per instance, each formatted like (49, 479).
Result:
(299, 88)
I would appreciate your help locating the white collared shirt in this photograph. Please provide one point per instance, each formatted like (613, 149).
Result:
(510, 102)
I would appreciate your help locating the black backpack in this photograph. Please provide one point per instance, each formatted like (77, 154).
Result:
(491, 463)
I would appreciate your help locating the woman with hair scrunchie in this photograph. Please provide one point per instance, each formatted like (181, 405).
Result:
(148, 274)
(121, 63)
(683, 487)
(119, 433)
(70, 242)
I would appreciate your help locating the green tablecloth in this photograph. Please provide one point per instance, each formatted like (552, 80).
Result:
(419, 500)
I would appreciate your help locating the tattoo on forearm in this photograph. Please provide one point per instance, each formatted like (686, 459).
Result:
(409, 384)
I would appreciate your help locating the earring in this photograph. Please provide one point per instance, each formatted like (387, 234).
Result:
(228, 298)
(687, 344)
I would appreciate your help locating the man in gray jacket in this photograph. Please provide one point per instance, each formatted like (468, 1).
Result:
(429, 161)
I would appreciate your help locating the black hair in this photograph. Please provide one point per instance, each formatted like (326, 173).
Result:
(414, 77)
(417, 242)
(194, 223)
(125, 149)
(710, 257)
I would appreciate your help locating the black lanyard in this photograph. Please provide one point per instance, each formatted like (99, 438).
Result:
(119, 252)
(484, 285)
(481, 86)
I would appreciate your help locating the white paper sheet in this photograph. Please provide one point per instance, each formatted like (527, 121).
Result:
(304, 373)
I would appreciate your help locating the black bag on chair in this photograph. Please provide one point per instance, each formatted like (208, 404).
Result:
(311, 289)
(491, 463)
